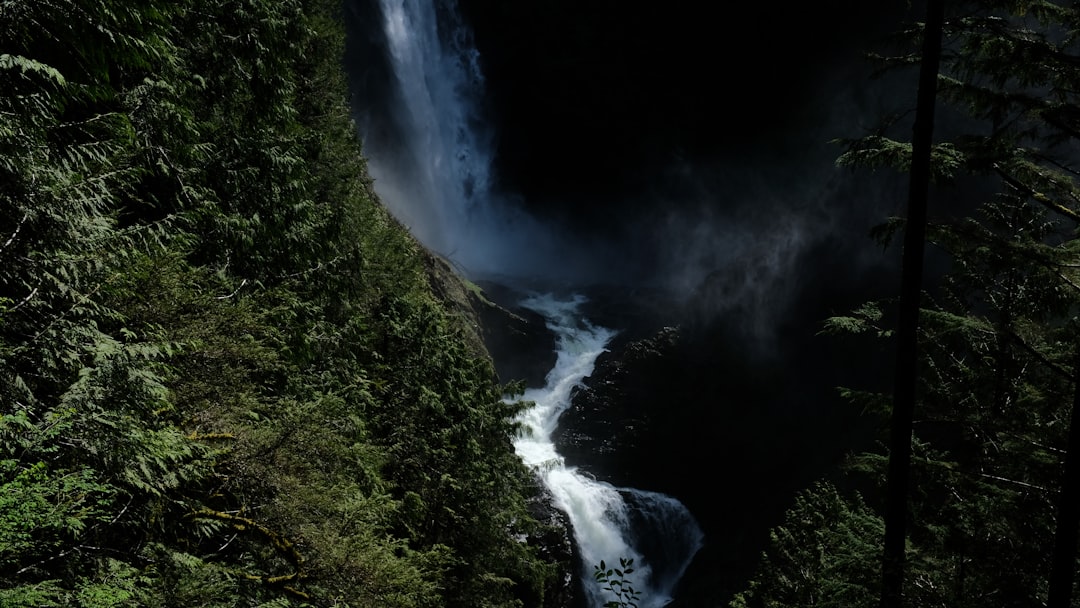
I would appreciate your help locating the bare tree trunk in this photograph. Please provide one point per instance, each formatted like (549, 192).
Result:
(1063, 568)
(892, 564)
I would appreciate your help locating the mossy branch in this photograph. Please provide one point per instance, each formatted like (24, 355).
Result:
(197, 436)
(1037, 196)
(283, 545)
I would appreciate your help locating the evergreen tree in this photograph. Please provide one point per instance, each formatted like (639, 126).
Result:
(997, 337)
(906, 379)
(825, 553)
(211, 333)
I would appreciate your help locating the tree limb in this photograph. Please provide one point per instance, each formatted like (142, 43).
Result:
(1037, 196)
(283, 545)
(16, 233)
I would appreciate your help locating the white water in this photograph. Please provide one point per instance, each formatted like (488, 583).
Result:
(435, 173)
(606, 519)
(447, 178)
(436, 178)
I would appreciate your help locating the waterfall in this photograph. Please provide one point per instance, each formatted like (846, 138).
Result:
(430, 156)
(430, 151)
(436, 177)
(609, 523)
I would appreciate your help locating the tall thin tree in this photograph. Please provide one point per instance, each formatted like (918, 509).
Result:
(910, 291)
(1063, 567)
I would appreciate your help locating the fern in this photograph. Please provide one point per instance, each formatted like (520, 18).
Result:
(27, 66)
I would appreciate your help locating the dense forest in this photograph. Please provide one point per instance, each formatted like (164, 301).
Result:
(225, 379)
(229, 378)
(978, 482)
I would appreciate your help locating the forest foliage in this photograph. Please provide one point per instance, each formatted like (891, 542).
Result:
(224, 379)
(998, 337)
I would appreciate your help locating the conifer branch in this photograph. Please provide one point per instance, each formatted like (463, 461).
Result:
(1017, 482)
(30, 567)
(1037, 196)
(82, 299)
(1057, 163)
(32, 293)
(279, 542)
(1054, 119)
(196, 436)
(1031, 350)
(314, 268)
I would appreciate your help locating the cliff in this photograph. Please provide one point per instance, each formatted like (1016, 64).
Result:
(226, 376)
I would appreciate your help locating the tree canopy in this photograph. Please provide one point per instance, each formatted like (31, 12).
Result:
(998, 337)
(224, 378)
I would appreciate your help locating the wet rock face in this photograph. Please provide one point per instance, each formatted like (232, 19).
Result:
(555, 543)
(612, 413)
(522, 346)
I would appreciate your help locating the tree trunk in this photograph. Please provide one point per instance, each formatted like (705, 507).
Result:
(1068, 516)
(892, 566)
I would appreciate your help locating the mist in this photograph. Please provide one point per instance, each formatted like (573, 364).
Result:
(535, 154)
(744, 229)
(420, 110)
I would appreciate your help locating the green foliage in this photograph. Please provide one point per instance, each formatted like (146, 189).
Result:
(825, 553)
(878, 152)
(617, 582)
(866, 318)
(998, 335)
(451, 459)
(224, 380)
(42, 510)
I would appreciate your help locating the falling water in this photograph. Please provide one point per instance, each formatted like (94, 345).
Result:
(430, 151)
(443, 181)
(432, 167)
(609, 523)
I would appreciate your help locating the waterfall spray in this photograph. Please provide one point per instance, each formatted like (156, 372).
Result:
(445, 183)
(430, 151)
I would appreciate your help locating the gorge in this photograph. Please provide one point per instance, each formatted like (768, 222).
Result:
(649, 327)
(634, 307)
(433, 170)
(716, 377)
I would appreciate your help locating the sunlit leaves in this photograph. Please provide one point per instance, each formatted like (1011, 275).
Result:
(878, 152)
(41, 510)
(617, 582)
(865, 318)
(825, 554)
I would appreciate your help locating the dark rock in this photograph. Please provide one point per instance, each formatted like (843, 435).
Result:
(517, 338)
(555, 543)
(608, 418)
